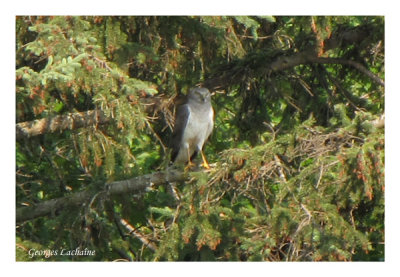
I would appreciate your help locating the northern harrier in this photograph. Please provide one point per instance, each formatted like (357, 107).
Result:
(194, 122)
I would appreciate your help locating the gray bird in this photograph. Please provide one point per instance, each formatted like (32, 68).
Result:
(194, 122)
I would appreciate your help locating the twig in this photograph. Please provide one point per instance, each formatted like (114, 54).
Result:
(156, 136)
(280, 168)
(102, 63)
(320, 176)
(345, 93)
(253, 37)
(307, 212)
(137, 234)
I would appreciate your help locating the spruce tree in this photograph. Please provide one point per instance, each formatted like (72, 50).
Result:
(297, 152)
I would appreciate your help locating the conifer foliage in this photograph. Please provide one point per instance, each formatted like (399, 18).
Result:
(297, 152)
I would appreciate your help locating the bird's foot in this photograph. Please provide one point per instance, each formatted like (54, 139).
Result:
(189, 166)
(205, 165)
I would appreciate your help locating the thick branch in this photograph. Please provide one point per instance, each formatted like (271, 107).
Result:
(134, 185)
(232, 71)
(285, 62)
(72, 121)
(60, 123)
(52, 206)
(307, 57)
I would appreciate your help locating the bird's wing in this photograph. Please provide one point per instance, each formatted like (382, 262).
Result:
(181, 119)
(210, 122)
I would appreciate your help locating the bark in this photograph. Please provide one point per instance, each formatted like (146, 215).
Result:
(285, 61)
(310, 57)
(131, 186)
(72, 121)
(60, 123)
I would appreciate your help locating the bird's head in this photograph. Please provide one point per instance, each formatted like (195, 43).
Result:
(200, 94)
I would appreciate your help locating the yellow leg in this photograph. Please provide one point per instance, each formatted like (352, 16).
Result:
(190, 164)
(205, 163)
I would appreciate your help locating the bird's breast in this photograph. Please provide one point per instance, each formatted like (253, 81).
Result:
(197, 128)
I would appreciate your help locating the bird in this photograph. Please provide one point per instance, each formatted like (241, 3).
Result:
(194, 122)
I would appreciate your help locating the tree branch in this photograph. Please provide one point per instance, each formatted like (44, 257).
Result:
(134, 232)
(134, 185)
(306, 57)
(72, 121)
(354, 64)
(60, 123)
(283, 61)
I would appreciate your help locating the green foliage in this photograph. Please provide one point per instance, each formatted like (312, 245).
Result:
(298, 163)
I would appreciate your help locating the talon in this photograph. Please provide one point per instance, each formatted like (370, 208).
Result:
(205, 163)
(189, 165)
